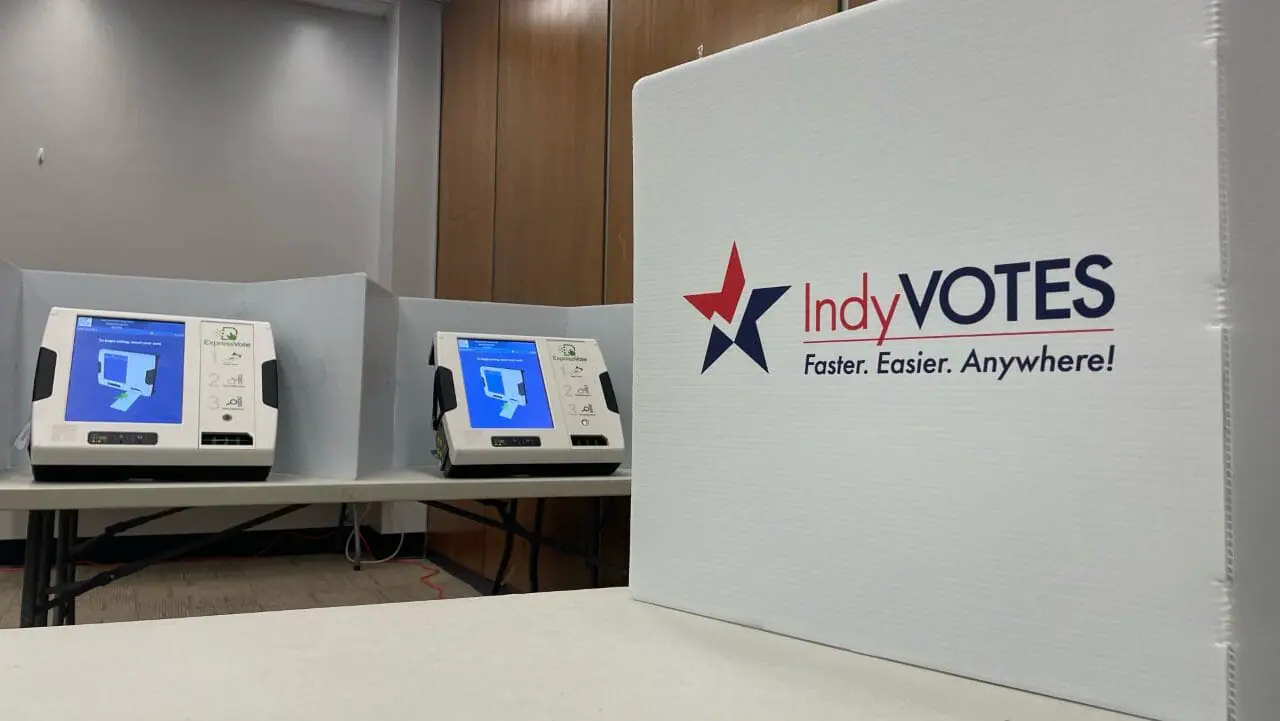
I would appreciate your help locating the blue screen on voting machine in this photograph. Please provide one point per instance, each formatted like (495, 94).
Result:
(126, 370)
(503, 384)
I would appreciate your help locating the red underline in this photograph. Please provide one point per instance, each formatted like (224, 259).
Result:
(1005, 334)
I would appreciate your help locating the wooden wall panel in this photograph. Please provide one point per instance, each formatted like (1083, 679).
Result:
(552, 91)
(566, 520)
(647, 36)
(652, 35)
(735, 22)
(468, 150)
(535, 178)
(468, 156)
(467, 546)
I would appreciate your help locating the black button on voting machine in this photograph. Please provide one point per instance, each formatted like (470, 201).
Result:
(516, 441)
(103, 438)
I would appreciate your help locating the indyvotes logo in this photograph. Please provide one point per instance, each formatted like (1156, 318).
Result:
(963, 320)
(724, 303)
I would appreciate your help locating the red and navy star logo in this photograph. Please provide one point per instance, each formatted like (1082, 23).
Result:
(724, 303)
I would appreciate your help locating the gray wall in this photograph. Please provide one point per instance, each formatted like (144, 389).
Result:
(10, 341)
(410, 188)
(211, 139)
(380, 256)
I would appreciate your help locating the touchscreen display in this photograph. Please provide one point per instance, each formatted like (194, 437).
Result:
(503, 383)
(126, 371)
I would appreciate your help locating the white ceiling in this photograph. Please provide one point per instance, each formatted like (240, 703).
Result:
(377, 8)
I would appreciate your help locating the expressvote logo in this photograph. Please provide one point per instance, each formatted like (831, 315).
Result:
(971, 301)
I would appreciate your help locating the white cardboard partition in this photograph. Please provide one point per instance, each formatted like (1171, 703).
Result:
(1048, 502)
(320, 327)
(378, 380)
(1252, 159)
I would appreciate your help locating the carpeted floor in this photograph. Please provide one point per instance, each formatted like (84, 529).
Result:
(210, 588)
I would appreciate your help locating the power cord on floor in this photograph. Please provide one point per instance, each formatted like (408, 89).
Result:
(431, 572)
(357, 537)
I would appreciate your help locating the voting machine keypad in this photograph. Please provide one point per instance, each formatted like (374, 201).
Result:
(111, 438)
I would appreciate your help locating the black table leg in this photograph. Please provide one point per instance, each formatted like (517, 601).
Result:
(594, 542)
(31, 568)
(509, 520)
(535, 544)
(64, 568)
(62, 549)
(45, 578)
(74, 525)
(36, 598)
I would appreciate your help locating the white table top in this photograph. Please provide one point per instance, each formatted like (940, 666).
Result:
(567, 656)
(19, 493)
